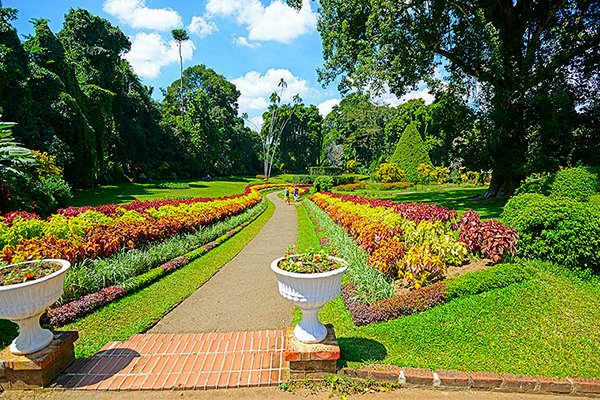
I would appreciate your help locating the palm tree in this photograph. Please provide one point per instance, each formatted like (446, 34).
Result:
(180, 36)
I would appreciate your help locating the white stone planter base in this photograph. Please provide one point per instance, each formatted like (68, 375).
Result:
(31, 337)
(310, 329)
(310, 292)
(24, 303)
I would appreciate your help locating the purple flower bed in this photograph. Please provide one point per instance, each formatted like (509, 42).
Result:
(395, 307)
(84, 305)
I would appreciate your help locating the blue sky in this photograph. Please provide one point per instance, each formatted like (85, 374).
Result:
(252, 43)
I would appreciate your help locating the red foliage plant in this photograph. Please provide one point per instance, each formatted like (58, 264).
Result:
(490, 238)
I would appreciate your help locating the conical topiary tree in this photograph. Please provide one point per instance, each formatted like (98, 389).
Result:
(410, 151)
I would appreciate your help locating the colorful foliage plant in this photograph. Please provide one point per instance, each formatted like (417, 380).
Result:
(490, 238)
(75, 234)
(414, 240)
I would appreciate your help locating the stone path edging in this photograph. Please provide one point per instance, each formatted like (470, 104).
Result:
(477, 380)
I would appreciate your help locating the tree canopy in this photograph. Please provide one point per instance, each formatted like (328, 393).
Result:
(530, 66)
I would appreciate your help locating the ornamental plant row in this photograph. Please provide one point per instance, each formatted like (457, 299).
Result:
(61, 315)
(414, 240)
(99, 232)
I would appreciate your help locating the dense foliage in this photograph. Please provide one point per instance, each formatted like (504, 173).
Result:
(75, 97)
(575, 183)
(210, 135)
(410, 151)
(301, 138)
(531, 68)
(562, 230)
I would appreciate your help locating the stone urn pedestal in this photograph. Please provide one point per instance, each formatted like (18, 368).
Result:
(310, 292)
(24, 303)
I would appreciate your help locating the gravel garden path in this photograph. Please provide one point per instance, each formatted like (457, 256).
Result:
(243, 295)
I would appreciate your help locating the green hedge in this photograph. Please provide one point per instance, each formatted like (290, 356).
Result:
(561, 230)
(325, 171)
(495, 277)
(303, 179)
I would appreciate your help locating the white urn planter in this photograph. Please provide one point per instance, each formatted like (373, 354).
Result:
(310, 292)
(24, 303)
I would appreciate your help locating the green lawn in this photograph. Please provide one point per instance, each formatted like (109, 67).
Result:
(545, 326)
(128, 192)
(457, 199)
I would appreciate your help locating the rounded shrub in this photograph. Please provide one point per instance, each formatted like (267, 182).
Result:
(539, 186)
(575, 183)
(561, 230)
(323, 183)
(389, 172)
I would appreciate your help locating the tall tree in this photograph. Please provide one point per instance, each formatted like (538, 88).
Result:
(530, 63)
(212, 137)
(180, 36)
(274, 127)
(359, 124)
(302, 137)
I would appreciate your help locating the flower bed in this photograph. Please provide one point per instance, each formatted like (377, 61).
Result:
(75, 234)
(414, 240)
(73, 310)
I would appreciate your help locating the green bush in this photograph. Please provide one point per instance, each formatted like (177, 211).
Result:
(495, 277)
(410, 151)
(542, 185)
(561, 230)
(325, 171)
(575, 183)
(344, 179)
(302, 179)
(58, 189)
(323, 184)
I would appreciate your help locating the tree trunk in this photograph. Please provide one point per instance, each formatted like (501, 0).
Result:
(181, 81)
(502, 185)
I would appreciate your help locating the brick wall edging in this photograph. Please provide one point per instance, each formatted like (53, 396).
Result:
(477, 380)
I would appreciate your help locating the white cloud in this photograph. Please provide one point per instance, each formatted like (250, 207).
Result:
(277, 21)
(255, 123)
(137, 15)
(256, 88)
(201, 27)
(242, 41)
(150, 52)
(394, 101)
(326, 106)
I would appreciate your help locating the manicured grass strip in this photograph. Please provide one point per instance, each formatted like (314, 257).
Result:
(140, 311)
(547, 325)
(307, 237)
